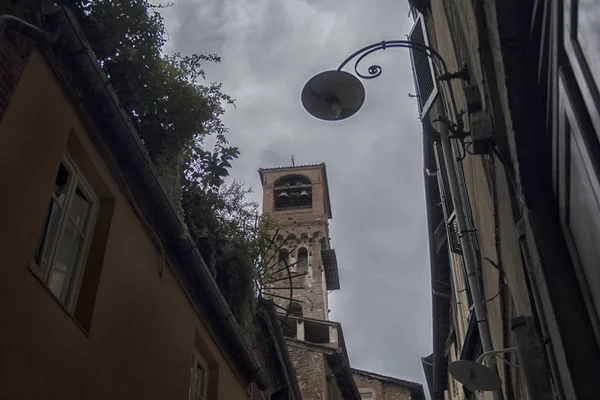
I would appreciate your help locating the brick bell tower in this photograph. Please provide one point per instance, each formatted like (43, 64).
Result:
(298, 199)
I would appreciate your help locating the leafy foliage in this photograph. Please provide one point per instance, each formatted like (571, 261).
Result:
(174, 113)
(235, 242)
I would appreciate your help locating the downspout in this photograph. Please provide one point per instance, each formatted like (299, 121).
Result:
(134, 162)
(465, 242)
(283, 351)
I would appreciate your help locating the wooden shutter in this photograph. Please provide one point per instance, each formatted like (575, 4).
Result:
(423, 71)
(447, 203)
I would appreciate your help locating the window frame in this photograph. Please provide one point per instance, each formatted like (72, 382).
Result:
(283, 257)
(282, 185)
(303, 250)
(583, 74)
(197, 359)
(42, 271)
(575, 129)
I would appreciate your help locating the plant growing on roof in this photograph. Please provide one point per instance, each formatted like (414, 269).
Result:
(174, 112)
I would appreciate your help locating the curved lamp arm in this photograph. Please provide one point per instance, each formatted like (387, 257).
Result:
(375, 70)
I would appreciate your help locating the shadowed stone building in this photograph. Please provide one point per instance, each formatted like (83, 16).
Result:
(528, 168)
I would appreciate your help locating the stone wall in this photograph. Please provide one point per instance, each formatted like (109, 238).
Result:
(310, 370)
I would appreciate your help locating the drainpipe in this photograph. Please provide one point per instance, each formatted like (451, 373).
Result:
(12, 23)
(466, 245)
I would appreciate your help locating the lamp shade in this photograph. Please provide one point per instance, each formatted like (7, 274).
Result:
(475, 376)
(333, 95)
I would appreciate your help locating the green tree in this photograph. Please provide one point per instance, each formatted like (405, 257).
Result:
(174, 112)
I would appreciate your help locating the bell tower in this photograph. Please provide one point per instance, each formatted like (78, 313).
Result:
(297, 198)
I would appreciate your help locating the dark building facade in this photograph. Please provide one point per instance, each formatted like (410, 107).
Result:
(529, 177)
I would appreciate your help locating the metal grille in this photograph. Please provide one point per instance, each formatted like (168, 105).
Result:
(462, 184)
(447, 203)
(422, 68)
(430, 119)
(440, 235)
(443, 182)
(332, 277)
(454, 235)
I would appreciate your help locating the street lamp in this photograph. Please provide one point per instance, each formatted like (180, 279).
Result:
(336, 95)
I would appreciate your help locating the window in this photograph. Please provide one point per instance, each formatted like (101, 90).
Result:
(198, 377)
(283, 259)
(323, 243)
(295, 308)
(447, 202)
(61, 254)
(302, 258)
(581, 41)
(293, 191)
(578, 184)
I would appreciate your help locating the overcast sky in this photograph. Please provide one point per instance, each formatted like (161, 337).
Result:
(270, 48)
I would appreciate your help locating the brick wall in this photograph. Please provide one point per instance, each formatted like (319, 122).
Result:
(15, 48)
(382, 390)
(310, 370)
(319, 196)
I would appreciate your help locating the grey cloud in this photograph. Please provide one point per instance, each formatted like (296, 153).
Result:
(374, 159)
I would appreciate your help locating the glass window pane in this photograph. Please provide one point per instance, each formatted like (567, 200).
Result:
(60, 183)
(584, 219)
(302, 258)
(199, 379)
(588, 35)
(55, 211)
(49, 236)
(80, 209)
(65, 261)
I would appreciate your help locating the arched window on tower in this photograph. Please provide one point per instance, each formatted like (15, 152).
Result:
(302, 258)
(292, 191)
(283, 259)
(323, 243)
(295, 308)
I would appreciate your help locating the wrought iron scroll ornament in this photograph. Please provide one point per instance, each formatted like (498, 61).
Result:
(375, 70)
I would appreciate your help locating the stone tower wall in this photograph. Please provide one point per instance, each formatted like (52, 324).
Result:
(302, 228)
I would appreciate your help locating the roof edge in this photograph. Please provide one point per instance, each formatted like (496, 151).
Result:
(387, 378)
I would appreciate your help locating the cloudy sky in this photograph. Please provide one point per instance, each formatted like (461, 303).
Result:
(270, 48)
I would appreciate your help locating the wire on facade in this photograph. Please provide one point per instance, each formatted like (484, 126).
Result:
(494, 265)
(497, 294)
